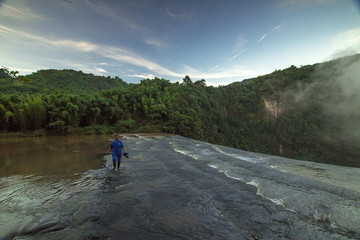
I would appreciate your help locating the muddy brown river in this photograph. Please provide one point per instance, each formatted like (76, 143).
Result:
(46, 156)
(171, 187)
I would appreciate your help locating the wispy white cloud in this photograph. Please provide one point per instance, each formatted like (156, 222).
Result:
(18, 11)
(104, 9)
(241, 41)
(10, 9)
(127, 20)
(23, 70)
(173, 15)
(115, 53)
(156, 42)
(299, 4)
(238, 49)
(86, 67)
(188, 69)
(100, 70)
(3, 30)
(180, 15)
(268, 33)
(262, 38)
(236, 55)
(214, 68)
(346, 43)
(136, 60)
(124, 56)
(220, 75)
(236, 71)
(144, 76)
(75, 45)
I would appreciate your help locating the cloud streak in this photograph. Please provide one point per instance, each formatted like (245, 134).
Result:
(18, 12)
(125, 19)
(75, 45)
(214, 68)
(105, 10)
(268, 33)
(173, 15)
(115, 53)
(81, 66)
(156, 42)
(236, 55)
(300, 4)
(125, 56)
(187, 15)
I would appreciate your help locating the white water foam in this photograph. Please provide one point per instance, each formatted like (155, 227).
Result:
(294, 198)
(256, 183)
(253, 182)
(187, 153)
(238, 156)
(213, 166)
(184, 152)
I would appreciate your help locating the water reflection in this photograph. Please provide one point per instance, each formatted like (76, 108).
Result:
(51, 155)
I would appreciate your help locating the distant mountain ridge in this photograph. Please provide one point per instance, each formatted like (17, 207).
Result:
(66, 80)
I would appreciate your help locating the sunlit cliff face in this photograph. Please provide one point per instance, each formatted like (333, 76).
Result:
(273, 106)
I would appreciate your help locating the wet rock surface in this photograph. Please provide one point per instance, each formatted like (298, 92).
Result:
(164, 192)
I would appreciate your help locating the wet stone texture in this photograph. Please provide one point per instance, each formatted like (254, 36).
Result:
(162, 192)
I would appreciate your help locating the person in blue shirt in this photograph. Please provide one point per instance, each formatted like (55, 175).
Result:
(116, 148)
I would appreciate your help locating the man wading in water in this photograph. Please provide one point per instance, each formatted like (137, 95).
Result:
(115, 147)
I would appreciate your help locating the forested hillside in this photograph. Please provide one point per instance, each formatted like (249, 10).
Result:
(308, 113)
(56, 80)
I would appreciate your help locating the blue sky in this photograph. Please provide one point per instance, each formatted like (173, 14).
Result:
(220, 41)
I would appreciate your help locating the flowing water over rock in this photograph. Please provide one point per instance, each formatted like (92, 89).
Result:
(171, 187)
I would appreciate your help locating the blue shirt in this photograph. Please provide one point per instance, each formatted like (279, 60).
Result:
(116, 147)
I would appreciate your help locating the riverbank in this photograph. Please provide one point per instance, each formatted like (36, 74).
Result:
(78, 132)
(91, 130)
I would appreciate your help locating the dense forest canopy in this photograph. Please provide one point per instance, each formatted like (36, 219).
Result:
(309, 113)
(55, 80)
